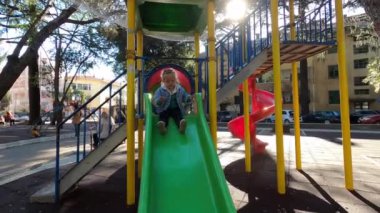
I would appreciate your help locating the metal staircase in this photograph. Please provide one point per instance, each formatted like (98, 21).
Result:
(87, 157)
(247, 49)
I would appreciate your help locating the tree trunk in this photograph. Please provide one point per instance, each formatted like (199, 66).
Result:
(34, 92)
(57, 109)
(304, 88)
(16, 65)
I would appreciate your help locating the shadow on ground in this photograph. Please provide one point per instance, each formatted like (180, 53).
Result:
(261, 187)
(99, 191)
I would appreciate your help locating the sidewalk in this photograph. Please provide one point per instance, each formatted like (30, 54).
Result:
(319, 187)
(20, 132)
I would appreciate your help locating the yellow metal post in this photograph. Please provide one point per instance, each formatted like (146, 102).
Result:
(196, 47)
(212, 69)
(344, 103)
(131, 102)
(278, 98)
(140, 124)
(247, 134)
(247, 127)
(296, 106)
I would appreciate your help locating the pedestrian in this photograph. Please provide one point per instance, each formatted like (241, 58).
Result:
(10, 118)
(76, 119)
(106, 126)
(170, 100)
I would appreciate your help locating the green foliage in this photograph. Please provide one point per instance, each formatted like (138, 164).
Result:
(373, 77)
(156, 48)
(361, 29)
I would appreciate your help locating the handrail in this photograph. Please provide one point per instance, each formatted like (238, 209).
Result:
(89, 100)
(104, 102)
(253, 34)
(84, 122)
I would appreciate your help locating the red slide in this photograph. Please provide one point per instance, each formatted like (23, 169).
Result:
(262, 107)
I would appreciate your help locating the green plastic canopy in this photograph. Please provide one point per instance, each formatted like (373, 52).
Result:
(171, 19)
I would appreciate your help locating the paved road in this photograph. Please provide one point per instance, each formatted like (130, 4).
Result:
(19, 161)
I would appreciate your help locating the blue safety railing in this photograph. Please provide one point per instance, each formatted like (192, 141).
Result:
(253, 35)
(91, 118)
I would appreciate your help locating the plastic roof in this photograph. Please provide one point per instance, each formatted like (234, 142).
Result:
(171, 15)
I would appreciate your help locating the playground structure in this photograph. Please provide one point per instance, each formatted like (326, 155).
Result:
(255, 46)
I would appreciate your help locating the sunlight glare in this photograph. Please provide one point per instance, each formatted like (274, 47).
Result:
(235, 9)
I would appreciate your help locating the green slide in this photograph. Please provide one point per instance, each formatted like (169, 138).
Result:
(181, 172)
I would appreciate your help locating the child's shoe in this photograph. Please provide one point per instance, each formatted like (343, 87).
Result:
(182, 126)
(161, 127)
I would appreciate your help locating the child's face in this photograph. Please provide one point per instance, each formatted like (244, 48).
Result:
(169, 81)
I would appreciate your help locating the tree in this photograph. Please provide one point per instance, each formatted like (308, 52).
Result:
(373, 76)
(372, 9)
(361, 29)
(5, 102)
(34, 22)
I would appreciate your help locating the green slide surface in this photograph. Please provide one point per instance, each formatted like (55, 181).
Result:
(181, 172)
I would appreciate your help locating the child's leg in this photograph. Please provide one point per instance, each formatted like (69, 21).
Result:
(164, 116)
(176, 115)
(163, 121)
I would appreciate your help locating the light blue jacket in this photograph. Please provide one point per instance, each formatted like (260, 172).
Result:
(183, 99)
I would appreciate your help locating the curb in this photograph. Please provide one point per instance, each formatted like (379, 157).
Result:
(34, 140)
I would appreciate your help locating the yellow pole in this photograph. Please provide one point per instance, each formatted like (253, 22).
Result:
(247, 129)
(247, 134)
(140, 123)
(131, 103)
(278, 98)
(212, 69)
(344, 103)
(196, 47)
(296, 106)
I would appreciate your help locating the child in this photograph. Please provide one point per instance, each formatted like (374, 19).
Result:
(106, 123)
(170, 100)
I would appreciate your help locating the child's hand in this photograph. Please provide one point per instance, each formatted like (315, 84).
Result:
(162, 99)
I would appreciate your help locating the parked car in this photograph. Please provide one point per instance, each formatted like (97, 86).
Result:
(21, 116)
(225, 116)
(370, 119)
(322, 117)
(354, 117)
(287, 117)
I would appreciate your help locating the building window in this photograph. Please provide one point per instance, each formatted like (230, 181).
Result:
(81, 86)
(333, 71)
(358, 81)
(361, 105)
(360, 49)
(360, 63)
(333, 49)
(361, 92)
(334, 97)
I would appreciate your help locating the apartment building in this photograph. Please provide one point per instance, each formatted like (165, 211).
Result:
(90, 85)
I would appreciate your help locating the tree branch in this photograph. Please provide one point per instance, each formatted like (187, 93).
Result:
(82, 22)
(31, 29)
